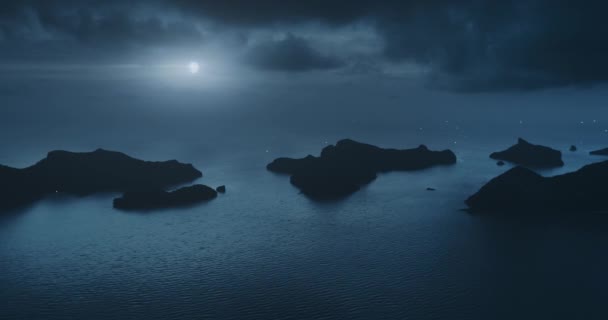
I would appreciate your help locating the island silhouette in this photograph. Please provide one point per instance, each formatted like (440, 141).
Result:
(85, 173)
(600, 152)
(523, 191)
(158, 199)
(343, 168)
(339, 171)
(530, 155)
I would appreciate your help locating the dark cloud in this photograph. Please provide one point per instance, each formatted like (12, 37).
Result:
(466, 45)
(80, 30)
(265, 12)
(469, 44)
(334, 12)
(119, 28)
(289, 54)
(507, 45)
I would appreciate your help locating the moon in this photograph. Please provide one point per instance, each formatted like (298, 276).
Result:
(194, 67)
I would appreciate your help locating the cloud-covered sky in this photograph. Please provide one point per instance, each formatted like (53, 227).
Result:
(468, 45)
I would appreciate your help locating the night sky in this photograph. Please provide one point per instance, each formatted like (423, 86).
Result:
(86, 68)
(466, 45)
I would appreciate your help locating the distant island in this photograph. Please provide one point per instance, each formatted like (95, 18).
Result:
(86, 173)
(521, 190)
(600, 152)
(158, 199)
(530, 155)
(342, 169)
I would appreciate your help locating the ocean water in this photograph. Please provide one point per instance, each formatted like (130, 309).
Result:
(263, 251)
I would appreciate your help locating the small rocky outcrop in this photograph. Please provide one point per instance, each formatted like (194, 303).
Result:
(342, 169)
(573, 148)
(530, 155)
(221, 189)
(159, 199)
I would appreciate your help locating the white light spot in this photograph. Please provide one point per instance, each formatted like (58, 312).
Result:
(194, 67)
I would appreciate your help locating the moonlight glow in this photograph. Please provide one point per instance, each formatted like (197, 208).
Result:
(193, 67)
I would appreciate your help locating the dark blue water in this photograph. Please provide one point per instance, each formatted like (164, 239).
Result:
(263, 251)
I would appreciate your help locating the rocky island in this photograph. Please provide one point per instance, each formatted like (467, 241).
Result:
(530, 155)
(86, 173)
(521, 190)
(158, 199)
(342, 169)
(600, 152)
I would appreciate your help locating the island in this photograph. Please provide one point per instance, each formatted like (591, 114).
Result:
(159, 199)
(84, 173)
(530, 155)
(342, 169)
(600, 152)
(522, 191)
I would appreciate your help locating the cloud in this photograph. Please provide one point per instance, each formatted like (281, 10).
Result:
(85, 30)
(289, 54)
(119, 28)
(471, 45)
(332, 12)
(511, 45)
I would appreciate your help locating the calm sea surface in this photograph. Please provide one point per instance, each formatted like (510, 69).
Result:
(264, 251)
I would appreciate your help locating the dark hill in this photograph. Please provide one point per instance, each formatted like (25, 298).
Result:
(88, 172)
(530, 155)
(157, 199)
(521, 190)
(342, 169)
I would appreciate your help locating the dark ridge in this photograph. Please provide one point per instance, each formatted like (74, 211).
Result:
(158, 199)
(600, 152)
(342, 169)
(522, 190)
(86, 173)
(530, 155)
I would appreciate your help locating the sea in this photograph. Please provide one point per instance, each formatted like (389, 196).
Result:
(263, 250)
